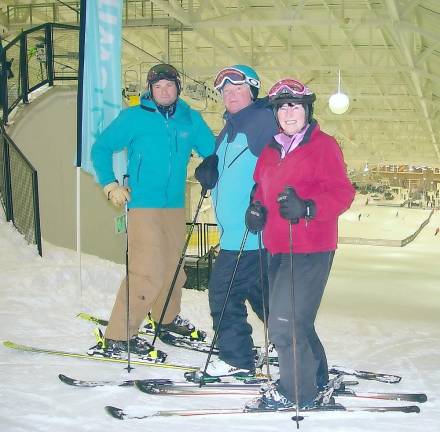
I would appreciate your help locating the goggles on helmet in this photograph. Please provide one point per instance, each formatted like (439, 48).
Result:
(234, 76)
(162, 71)
(289, 87)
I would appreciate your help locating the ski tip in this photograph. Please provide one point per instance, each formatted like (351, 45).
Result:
(17, 346)
(411, 409)
(145, 386)
(117, 413)
(67, 380)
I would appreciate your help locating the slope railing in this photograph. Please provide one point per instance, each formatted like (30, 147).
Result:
(19, 190)
(35, 58)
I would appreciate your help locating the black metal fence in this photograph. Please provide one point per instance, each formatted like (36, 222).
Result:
(201, 254)
(35, 58)
(19, 190)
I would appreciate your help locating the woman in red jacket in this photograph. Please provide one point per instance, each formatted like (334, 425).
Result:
(301, 190)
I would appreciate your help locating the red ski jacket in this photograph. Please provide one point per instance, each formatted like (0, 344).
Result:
(316, 170)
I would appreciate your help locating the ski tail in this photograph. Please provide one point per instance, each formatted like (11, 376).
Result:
(84, 383)
(386, 378)
(87, 317)
(116, 413)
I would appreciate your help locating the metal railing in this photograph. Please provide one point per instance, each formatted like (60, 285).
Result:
(201, 255)
(198, 271)
(35, 58)
(19, 190)
(139, 12)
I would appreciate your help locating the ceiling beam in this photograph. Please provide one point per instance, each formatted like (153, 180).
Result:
(177, 12)
(406, 52)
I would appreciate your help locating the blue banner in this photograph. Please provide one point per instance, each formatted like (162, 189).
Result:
(99, 86)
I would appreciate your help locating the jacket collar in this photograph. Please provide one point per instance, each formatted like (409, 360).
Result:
(314, 126)
(241, 122)
(182, 111)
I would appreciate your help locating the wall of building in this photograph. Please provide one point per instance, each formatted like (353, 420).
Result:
(45, 130)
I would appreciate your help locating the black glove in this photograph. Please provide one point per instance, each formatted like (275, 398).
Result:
(255, 217)
(293, 208)
(207, 173)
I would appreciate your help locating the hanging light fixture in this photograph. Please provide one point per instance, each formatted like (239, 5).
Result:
(338, 102)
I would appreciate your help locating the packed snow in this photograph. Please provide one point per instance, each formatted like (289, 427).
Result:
(381, 312)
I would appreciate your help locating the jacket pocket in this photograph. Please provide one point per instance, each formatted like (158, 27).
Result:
(134, 167)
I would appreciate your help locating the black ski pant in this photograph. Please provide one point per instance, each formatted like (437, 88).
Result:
(310, 274)
(234, 341)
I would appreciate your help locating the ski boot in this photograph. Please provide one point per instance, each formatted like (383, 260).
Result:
(179, 326)
(118, 349)
(270, 400)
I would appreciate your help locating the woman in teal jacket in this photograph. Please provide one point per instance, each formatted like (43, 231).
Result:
(159, 136)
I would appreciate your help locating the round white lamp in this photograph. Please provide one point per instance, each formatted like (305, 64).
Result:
(338, 102)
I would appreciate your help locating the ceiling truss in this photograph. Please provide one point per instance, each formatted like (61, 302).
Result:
(388, 52)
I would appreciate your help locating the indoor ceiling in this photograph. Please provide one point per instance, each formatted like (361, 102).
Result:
(387, 51)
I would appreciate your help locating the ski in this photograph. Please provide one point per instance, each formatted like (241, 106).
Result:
(158, 386)
(165, 336)
(138, 362)
(408, 397)
(386, 378)
(121, 414)
(188, 388)
(160, 382)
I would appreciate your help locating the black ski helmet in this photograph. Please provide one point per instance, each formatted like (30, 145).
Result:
(163, 71)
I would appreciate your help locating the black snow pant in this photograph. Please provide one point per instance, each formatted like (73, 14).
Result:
(310, 274)
(234, 341)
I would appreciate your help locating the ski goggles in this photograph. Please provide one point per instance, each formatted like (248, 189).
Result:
(234, 76)
(289, 87)
(162, 71)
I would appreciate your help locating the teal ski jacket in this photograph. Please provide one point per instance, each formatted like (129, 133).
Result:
(158, 151)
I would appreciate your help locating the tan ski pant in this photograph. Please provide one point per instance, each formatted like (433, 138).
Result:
(155, 241)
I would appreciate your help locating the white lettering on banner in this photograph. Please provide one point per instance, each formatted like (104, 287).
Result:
(113, 3)
(106, 17)
(106, 38)
(102, 87)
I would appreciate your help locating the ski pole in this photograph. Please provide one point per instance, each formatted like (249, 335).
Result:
(228, 292)
(127, 283)
(179, 265)
(297, 417)
(266, 339)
